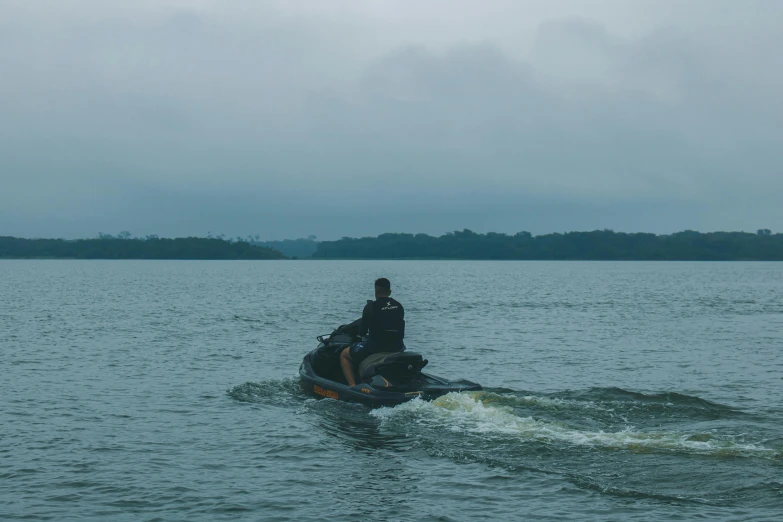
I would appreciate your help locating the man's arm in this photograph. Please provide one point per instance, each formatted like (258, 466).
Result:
(353, 328)
(366, 317)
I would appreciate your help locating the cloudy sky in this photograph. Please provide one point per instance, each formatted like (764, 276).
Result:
(350, 118)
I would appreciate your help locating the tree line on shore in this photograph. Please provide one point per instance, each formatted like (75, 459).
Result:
(125, 247)
(466, 244)
(596, 245)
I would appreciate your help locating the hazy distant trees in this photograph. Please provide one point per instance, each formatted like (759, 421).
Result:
(299, 248)
(123, 247)
(464, 244)
(122, 235)
(595, 245)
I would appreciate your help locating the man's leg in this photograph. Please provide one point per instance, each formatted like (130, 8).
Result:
(347, 365)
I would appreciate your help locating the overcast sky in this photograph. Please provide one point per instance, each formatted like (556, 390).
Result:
(351, 118)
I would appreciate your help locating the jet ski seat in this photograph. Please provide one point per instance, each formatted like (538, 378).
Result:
(391, 365)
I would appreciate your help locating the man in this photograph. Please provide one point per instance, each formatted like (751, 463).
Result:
(384, 321)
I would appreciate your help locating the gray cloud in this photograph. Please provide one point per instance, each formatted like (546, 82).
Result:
(288, 118)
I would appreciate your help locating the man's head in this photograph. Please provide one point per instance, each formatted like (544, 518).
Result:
(382, 288)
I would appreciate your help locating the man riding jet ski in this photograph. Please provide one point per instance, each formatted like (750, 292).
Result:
(375, 369)
(383, 321)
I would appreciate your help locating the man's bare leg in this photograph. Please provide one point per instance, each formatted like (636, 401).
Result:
(347, 365)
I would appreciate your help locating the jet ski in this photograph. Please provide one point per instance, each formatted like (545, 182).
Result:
(385, 379)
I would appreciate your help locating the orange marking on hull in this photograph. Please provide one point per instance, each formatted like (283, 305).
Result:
(325, 393)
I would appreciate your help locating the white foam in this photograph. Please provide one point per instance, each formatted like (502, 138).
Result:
(467, 412)
(535, 400)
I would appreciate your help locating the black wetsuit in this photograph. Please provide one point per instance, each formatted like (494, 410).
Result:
(384, 321)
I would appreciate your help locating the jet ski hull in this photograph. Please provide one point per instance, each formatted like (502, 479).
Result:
(423, 385)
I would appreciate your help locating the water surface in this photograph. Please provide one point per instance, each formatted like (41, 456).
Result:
(162, 390)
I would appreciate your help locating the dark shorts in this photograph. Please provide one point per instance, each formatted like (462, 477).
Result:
(360, 351)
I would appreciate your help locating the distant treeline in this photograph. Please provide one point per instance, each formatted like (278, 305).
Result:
(109, 247)
(596, 245)
(294, 248)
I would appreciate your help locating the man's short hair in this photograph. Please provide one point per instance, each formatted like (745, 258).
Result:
(383, 284)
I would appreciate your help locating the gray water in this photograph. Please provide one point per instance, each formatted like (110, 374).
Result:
(136, 390)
